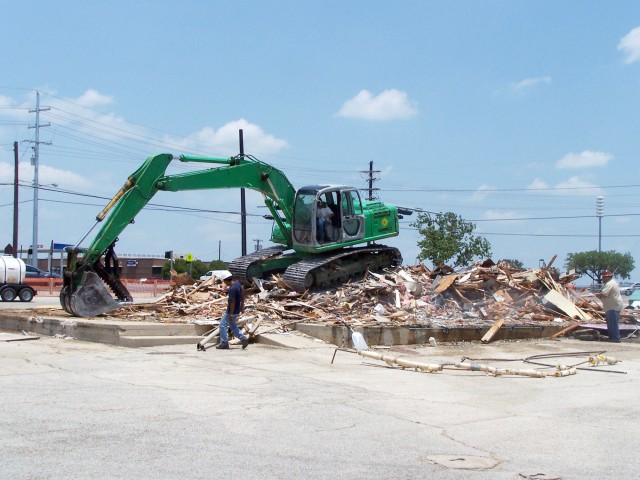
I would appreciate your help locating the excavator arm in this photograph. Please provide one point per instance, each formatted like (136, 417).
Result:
(85, 294)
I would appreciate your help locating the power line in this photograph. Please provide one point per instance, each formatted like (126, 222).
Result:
(560, 235)
(489, 190)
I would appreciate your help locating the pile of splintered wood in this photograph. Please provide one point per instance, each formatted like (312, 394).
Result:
(410, 295)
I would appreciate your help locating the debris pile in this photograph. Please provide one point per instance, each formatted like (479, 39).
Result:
(476, 296)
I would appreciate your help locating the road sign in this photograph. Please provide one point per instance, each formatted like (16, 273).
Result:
(60, 246)
(189, 258)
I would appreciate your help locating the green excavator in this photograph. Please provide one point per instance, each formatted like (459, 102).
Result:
(308, 254)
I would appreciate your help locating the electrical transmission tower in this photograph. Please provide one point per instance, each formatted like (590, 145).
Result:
(371, 177)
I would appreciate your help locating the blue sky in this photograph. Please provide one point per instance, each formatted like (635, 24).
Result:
(514, 115)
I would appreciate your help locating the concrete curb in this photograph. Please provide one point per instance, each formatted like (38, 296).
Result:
(126, 334)
(388, 336)
(148, 334)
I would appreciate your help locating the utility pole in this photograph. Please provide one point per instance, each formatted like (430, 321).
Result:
(370, 179)
(257, 240)
(15, 200)
(243, 206)
(36, 184)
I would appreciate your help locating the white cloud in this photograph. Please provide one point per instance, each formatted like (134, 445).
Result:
(586, 159)
(538, 184)
(92, 98)
(481, 193)
(572, 186)
(577, 186)
(630, 45)
(581, 187)
(224, 141)
(12, 110)
(6, 101)
(6, 172)
(389, 105)
(47, 175)
(529, 83)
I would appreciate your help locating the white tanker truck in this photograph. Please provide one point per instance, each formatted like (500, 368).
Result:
(12, 273)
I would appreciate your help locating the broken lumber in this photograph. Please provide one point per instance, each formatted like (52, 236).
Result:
(564, 331)
(492, 331)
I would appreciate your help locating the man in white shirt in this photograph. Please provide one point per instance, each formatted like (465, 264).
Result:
(323, 217)
(612, 305)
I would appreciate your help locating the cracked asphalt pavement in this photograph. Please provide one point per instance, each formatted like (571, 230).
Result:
(71, 409)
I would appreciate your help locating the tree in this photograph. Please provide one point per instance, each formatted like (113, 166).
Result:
(448, 236)
(197, 267)
(592, 263)
(217, 265)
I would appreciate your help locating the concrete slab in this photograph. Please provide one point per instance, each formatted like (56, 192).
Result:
(129, 334)
(157, 340)
(291, 340)
(87, 410)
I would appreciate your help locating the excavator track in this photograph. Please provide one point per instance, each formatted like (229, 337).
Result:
(241, 267)
(326, 270)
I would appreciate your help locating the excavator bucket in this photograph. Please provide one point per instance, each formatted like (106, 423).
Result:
(92, 298)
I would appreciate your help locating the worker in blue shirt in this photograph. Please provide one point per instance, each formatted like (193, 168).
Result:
(235, 305)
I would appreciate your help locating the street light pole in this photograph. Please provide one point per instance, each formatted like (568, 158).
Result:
(600, 214)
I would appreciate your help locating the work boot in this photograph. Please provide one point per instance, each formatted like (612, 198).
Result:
(245, 342)
(222, 346)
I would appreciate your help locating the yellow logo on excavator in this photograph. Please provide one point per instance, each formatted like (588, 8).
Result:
(384, 222)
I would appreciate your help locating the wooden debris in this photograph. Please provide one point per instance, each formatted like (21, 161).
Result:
(445, 283)
(482, 295)
(492, 331)
(566, 305)
(564, 331)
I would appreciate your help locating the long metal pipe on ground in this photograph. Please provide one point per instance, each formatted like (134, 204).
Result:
(405, 362)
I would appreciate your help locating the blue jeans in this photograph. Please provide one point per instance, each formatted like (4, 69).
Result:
(613, 325)
(320, 223)
(226, 322)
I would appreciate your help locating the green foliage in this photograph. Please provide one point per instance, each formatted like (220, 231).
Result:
(592, 263)
(217, 265)
(447, 236)
(517, 264)
(197, 268)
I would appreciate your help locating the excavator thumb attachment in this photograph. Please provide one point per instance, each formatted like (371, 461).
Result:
(92, 298)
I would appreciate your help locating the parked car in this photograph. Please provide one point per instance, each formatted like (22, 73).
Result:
(629, 290)
(33, 272)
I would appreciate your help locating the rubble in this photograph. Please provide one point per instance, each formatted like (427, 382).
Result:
(481, 295)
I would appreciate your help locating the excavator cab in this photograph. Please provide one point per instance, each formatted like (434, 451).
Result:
(346, 223)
